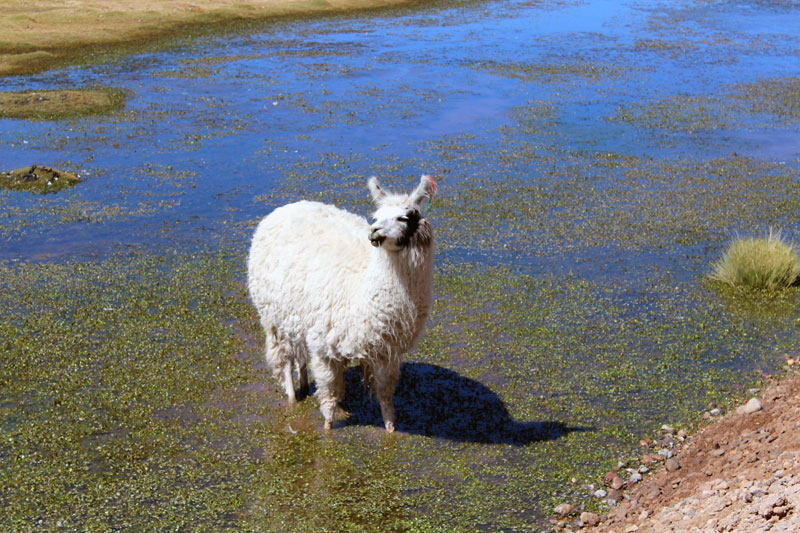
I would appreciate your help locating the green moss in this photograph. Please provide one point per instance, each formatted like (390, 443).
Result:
(37, 179)
(60, 104)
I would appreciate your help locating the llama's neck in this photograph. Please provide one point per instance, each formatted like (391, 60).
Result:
(407, 270)
(397, 292)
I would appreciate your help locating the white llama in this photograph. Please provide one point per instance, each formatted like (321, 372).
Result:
(326, 297)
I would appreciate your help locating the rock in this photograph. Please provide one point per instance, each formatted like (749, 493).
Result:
(667, 430)
(600, 494)
(649, 459)
(615, 495)
(564, 509)
(768, 507)
(672, 465)
(750, 407)
(610, 477)
(636, 477)
(590, 519)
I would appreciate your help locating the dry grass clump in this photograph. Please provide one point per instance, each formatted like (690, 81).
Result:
(759, 263)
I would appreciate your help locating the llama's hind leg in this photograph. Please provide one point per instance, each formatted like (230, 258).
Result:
(384, 380)
(329, 377)
(280, 358)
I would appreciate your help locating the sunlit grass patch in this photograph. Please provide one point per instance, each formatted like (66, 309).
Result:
(759, 263)
(55, 105)
(37, 179)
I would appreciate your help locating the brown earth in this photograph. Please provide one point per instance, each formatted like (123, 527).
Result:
(38, 34)
(740, 473)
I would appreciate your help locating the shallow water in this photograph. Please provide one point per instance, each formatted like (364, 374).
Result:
(593, 159)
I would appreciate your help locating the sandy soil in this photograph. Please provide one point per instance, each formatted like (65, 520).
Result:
(741, 473)
(37, 34)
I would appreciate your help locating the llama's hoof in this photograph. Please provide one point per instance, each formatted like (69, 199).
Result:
(328, 425)
(389, 427)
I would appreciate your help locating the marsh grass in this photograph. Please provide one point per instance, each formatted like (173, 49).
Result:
(37, 179)
(60, 104)
(768, 263)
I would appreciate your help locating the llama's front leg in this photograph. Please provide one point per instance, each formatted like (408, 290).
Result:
(328, 375)
(279, 358)
(384, 380)
(288, 383)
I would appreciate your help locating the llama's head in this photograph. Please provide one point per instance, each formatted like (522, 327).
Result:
(398, 221)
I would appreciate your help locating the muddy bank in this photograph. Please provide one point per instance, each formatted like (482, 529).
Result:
(35, 36)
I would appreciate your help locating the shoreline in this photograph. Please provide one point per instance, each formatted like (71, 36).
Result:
(39, 35)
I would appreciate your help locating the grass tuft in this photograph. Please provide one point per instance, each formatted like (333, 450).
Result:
(37, 179)
(759, 263)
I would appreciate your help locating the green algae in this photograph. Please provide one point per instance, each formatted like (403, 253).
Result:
(132, 389)
(681, 113)
(743, 106)
(777, 97)
(553, 72)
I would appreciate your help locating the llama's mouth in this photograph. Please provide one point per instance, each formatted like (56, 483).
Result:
(376, 238)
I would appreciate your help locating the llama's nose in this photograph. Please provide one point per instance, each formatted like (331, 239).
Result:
(375, 237)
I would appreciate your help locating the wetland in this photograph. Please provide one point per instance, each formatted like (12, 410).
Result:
(594, 159)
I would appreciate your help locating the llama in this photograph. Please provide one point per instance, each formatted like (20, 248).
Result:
(327, 298)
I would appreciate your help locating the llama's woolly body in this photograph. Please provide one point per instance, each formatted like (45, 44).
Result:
(326, 297)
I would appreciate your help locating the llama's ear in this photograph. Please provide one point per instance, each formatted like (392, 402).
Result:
(425, 190)
(375, 190)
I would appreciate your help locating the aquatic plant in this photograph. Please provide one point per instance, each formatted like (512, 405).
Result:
(759, 263)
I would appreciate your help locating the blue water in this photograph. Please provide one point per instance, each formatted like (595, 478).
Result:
(358, 95)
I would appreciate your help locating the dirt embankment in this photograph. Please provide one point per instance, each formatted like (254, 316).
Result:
(740, 474)
(38, 34)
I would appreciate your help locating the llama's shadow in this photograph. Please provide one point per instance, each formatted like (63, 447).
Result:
(437, 402)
